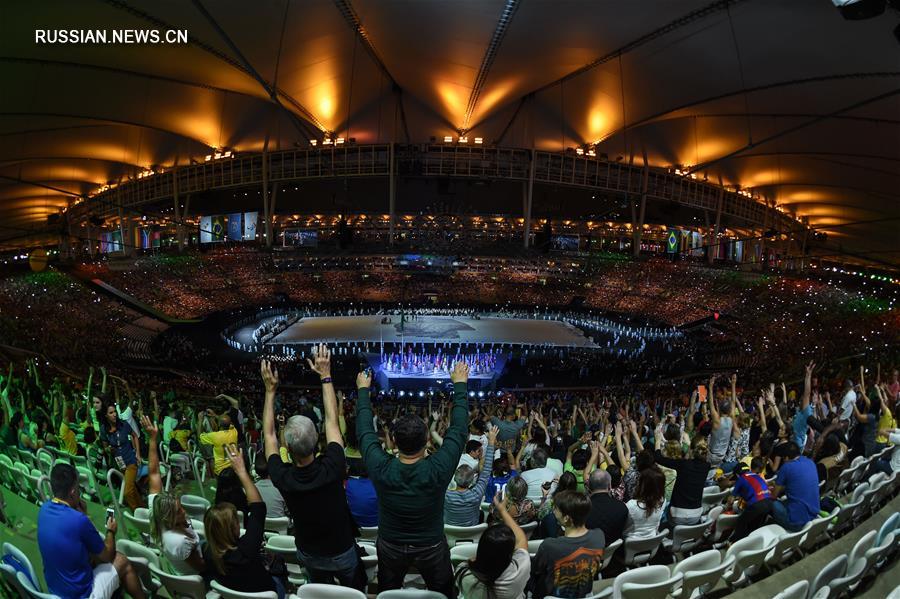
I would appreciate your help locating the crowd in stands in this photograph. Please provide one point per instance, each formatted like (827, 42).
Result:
(576, 472)
(761, 315)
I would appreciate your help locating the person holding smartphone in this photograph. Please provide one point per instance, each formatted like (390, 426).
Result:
(69, 542)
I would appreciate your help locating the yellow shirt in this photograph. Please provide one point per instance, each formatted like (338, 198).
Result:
(219, 439)
(182, 435)
(884, 423)
(67, 439)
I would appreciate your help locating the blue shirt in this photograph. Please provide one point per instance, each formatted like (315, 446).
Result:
(801, 483)
(495, 484)
(67, 539)
(800, 425)
(363, 501)
(120, 441)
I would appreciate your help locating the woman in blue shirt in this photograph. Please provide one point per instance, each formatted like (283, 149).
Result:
(124, 451)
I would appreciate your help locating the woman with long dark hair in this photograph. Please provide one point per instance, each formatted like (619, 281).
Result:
(645, 508)
(124, 450)
(501, 567)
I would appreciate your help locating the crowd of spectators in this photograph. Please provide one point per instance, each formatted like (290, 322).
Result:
(587, 468)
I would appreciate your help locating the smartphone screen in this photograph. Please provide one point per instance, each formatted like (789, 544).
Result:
(701, 393)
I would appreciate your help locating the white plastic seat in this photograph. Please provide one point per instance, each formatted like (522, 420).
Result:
(844, 520)
(749, 556)
(88, 483)
(182, 587)
(833, 570)
(608, 552)
(858, 491)
(328, 591)
(195, 506)
(769, 533)
(279, 525)
(857, 565)
(533, 547)
(798, 590)
(116, 485)
(877, 555)
(640, 551)
(645, 575)
(457, 534)
(724, 526)
(19, 555)
(286, 547)
(227, 593)
(30, 591)
(9, 576)
(44, 490)
(369, 533)
(701, 573)
(786, 548)
(651, 590)
(140, 557)
(712, 498)
(686, 538)
(410, 594)
(44, 461)
(462, 552)
(137, 522)
(817, 532)
(885, 490)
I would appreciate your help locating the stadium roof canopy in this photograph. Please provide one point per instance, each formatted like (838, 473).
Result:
(786, 98)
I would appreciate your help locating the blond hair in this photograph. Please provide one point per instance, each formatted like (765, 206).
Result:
(165, 515)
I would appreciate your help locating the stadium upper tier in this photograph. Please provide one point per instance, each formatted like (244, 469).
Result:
(760, 316)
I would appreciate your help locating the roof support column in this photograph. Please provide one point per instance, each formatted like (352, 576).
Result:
(179, 213)
(805, 221)
(392, 195)
(637, 228)
(267, 211)
(712, 244)
(127, 244)
(528, 201)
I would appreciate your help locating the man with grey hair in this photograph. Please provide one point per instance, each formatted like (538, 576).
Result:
(607, 513)
(313, 487)
(462, 504)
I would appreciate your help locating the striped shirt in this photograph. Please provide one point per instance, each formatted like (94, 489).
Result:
(461, 508)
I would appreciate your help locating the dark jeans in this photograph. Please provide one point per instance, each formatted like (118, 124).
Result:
(433, 562)
(346, 568)
(780, 515)
(279, 587)
(751, 518)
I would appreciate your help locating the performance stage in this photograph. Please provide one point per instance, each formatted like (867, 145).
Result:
(454, 330)
(417, 355)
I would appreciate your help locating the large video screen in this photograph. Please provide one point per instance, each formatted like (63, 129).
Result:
(250, 219)
(565, 243)
(301, 238)
(231, 227)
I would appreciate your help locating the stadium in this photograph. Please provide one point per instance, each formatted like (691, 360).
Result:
(494, 299)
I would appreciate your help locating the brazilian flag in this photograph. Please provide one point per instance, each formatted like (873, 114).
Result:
(672, 240)
(218, 228)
